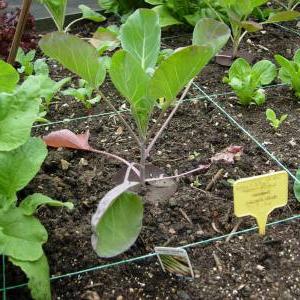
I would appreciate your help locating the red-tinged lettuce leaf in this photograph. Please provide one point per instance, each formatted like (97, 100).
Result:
(67, 139)
(228, 155)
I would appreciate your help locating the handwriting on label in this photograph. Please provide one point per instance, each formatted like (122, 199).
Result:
(258, 196)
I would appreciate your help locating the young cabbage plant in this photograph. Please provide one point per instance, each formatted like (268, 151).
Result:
(289, 72)
(247, 81)
(21, 156)
(238, 13)
(272, 118)
(137, 75)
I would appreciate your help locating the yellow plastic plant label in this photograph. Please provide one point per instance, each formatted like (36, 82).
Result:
(258, 196)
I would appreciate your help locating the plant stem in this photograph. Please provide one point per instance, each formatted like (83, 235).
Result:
(71, 24)
(19, 31)
(143, 163)
(204, 167)
(116, 157)
(163, 127)
(120, 117)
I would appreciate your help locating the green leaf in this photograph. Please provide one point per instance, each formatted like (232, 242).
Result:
(57, 10)
(18, 111)
(31, 203)
(132, 82)
(105, 39)
(140, 36)
(265, 71)
(165, 16)
(9, 77)
(209, 32)
(177, 70)
(89, 14)
(21, 237)
(251, 26)
(259, 97)
(76, 55)
(26, 61)
(239, 69)
(41, 67)
(283, 16)
(19, 166)
(38, 274)
(297, 186)
(119, 226)
(271, 115)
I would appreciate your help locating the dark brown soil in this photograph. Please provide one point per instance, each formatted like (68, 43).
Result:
(246, 267)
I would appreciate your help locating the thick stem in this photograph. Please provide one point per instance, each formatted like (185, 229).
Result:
(163, 127)
(19, 31)
(143, 163)
(120, 117)
(116, 157)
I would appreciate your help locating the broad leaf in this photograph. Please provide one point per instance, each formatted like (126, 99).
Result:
(209, 32)
(140, 36)
(9, 77)
(283, 16)
(18, 111)
(265, 71)
(57, 9)
(67, 139)
(21, 237)
(117, 224)
(177, 70)
(132, 82)
(89, 14)
(19, 166)
(165, 16)
(297, 186)
(76, 55)
(38, 274)
(31, 203)
(251, 26)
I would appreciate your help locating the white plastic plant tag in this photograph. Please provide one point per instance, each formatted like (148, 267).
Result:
(175, 261)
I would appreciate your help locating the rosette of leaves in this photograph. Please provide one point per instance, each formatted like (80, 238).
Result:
(289, 72)
(21, 156)
(247, 81)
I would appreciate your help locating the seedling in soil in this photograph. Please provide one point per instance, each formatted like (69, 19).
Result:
(247, 81)
(22, 235)
(238, 13)
(83, 94)
(272, 118)
(289, 72)
(138, 77)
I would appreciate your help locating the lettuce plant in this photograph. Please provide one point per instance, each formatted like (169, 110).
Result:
(247, 81)
(21, 156)
(272, 118)
(142, 79)
(289, 72)
(181, 11)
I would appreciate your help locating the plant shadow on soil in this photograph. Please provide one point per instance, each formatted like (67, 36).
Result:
(246, 267)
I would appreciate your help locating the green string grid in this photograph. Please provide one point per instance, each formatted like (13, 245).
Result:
(149, 255)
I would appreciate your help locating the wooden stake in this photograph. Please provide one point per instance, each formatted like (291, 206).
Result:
(19, 31)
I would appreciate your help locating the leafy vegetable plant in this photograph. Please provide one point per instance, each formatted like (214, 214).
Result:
(83, 94)
(120, 7)
(142, 78)
(177, 12)
(272, 118)
(238, 13)
(21, 156)
(289, 72)
(247, 81)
